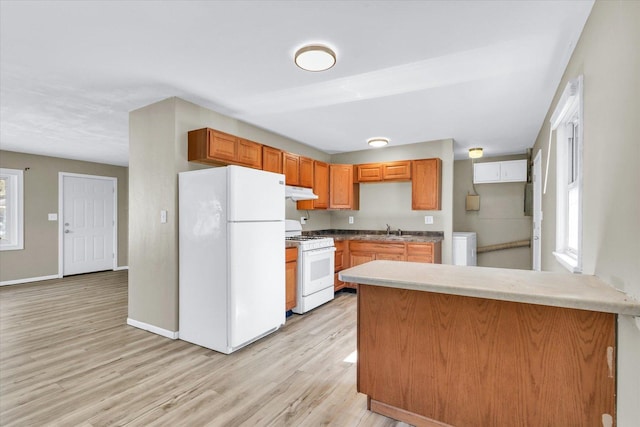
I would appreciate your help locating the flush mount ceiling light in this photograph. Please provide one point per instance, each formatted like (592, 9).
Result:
(475, 153)
(315, 58)
(378, 142)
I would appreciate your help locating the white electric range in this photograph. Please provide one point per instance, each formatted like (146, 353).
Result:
(315, 267)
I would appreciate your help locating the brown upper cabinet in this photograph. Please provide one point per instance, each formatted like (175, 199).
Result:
(215, 147)
(320, 188)
(306, 172)
(388, 171)
(271, 159)
(344, 193)
(298, 170)
(426, 184)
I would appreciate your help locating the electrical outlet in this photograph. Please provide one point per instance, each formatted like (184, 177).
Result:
(350, 220)
(303, 220)
(163, 216)
(428, 219)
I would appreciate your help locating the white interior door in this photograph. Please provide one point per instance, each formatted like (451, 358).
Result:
(88, 224)
(537, 211)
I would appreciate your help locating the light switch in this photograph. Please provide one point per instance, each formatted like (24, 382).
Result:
(163, 216)
(53, 217)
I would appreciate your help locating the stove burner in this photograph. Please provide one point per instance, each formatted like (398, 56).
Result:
(304, 238)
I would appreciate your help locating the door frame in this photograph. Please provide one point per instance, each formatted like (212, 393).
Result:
(61, 176)
(537, 189)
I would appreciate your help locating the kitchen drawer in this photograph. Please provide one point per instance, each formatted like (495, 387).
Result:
(362, 246)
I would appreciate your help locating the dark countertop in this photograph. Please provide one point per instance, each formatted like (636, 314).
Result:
(377, 235)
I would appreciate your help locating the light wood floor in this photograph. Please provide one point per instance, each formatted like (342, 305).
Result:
(67, 358)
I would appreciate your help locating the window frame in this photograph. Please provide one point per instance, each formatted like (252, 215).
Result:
(568, 122)
(14, 209)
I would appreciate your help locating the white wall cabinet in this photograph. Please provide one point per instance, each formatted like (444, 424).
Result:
(494, 172)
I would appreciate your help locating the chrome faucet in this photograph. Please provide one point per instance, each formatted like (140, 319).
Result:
(388, 229)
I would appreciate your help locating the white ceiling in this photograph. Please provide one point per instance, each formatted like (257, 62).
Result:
(480, 72)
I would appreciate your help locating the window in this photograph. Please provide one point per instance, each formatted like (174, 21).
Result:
(11, 205)
(567, 123)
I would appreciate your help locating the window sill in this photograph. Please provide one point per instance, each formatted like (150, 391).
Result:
(568, 262)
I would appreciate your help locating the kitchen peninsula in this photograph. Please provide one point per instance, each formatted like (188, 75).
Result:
(452, 345)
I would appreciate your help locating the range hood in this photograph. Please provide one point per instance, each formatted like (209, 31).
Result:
(298, 193)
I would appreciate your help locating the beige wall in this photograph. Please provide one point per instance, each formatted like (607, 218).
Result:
(157, 153)
(609, 58)
(500, 219)
(390, 203)
(39, 258)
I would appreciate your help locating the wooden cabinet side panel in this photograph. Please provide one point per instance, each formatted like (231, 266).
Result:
(426, 184)
(475, 361)
(197, 144)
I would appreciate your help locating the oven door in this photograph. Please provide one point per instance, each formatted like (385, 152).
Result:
(316, 270)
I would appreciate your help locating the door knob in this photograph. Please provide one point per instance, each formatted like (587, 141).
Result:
(66, 224)
(535, 238)
(67, 231)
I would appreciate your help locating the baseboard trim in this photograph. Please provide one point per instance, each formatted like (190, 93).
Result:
(122, 267)
(156, 330)
(28, 280)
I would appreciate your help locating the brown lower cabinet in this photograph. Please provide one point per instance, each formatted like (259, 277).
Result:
(362, 251)
(436, 359)
(291, 259)
(340, 264)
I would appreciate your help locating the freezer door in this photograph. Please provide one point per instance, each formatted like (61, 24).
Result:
(256, 280)
(255, 195)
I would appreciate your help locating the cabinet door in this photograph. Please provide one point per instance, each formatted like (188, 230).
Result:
(513, 171)
(271, 159)
(396, 171)
(305, 178)
(339, 256)
(357, 258)
(291, 168)
(420, 252)
(486, 172)
(249, 153)
(321, 185)
(390, 257)
(342, 192)
(222, 146)
(290, 278)
(371, 172)
(426, 184)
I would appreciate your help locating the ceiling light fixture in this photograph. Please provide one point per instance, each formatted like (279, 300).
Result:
(475, 153)
(315, 58)
(378, 142)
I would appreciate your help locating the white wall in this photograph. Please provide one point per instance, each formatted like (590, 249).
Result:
(608, 55)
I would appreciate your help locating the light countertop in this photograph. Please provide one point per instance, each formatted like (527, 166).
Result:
(544, 288)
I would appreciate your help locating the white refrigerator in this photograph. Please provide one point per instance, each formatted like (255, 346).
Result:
(232, 264)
